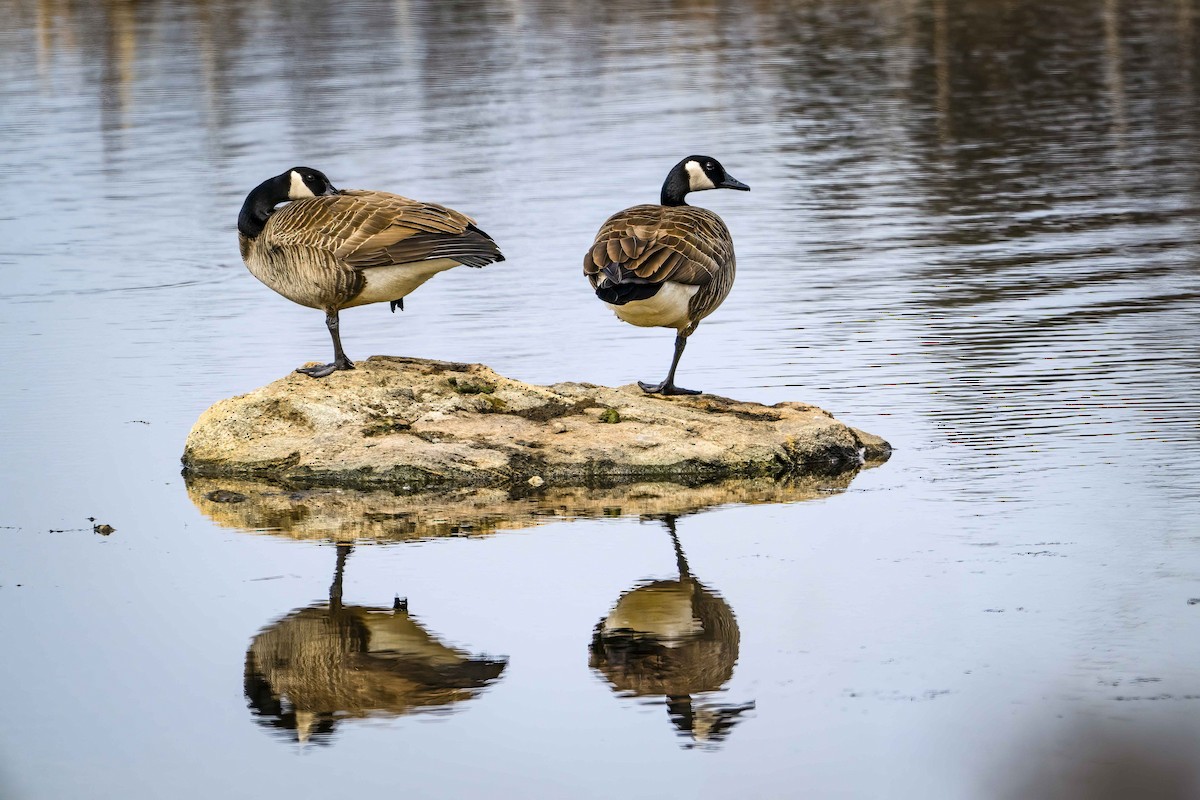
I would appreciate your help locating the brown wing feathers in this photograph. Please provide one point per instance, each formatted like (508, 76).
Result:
(655, 244)
(472, 248)
(367, 229)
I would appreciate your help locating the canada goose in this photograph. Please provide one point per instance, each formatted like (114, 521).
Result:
(332, 249)
(668, 265)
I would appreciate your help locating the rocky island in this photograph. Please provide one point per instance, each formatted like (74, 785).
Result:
(414, 424)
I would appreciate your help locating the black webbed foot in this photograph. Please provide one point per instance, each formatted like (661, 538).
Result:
(665, 388)
(397, 304)
(324, 370)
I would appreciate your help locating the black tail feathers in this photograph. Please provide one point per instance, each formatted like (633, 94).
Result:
(618, 294)
(619, 286)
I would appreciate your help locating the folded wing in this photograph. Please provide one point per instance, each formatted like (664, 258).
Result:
(365, 229)
(651, 245)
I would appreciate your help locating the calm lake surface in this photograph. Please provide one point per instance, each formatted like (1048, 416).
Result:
(973, 230)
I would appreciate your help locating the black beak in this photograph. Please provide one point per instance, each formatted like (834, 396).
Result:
(731, 182)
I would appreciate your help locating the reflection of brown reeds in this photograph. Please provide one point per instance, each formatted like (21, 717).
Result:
(1150, 755)
(344, 515)
(320, 663)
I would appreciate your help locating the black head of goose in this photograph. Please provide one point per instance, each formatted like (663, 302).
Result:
(667, 265)
(331, 249)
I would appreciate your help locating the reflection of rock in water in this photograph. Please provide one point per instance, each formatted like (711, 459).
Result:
(673, 638)
(329, 662)
(344, 515)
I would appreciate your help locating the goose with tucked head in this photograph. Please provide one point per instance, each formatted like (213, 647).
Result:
(668, 265)
(331, 249)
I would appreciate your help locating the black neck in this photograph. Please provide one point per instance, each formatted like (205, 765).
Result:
(675, 187)
(260, 203)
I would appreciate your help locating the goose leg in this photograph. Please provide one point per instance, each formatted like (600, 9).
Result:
(668, 386)
(339, 356)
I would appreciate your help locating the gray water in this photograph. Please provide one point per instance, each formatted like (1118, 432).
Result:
(972, 230)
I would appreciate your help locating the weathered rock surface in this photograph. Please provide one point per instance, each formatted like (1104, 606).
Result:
(413, 424)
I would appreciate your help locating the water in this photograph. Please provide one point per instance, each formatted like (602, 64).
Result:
(972, 230)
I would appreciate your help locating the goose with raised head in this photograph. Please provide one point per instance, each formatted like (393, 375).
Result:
(668, 265)
(332, 249)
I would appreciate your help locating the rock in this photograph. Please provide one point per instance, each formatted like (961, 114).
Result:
(413, 424)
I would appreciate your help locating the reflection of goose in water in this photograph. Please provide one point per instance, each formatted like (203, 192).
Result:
(677, 639)
(329, 662)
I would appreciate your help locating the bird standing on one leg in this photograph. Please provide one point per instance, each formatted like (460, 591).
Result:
(668, 265)
(331, 249)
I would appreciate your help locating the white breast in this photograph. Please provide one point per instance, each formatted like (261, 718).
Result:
(667, 309)
(394, 282)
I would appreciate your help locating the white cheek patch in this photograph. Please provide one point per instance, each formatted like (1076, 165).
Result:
(299, 188)
(697, 180)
